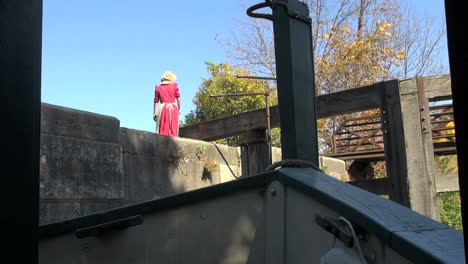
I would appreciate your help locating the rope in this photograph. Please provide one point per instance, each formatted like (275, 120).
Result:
(356, 240)
(293, 163)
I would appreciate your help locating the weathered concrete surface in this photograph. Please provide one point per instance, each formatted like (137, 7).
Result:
(157, 166)
(89, 164)
(55, 210)
(73, 168)
(335, 168)
(62, 121)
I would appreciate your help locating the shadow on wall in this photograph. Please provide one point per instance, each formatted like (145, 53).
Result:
(89, 164)
(208, 233)
(201, 232)
(157, 166)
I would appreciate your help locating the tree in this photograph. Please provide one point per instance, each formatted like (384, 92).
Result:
(356, 42)
(419, 35)
(356, 59)
(223, 80)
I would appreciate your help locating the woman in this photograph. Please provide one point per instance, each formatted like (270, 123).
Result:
(167, 115)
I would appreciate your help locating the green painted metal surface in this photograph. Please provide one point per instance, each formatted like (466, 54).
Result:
(295, 75)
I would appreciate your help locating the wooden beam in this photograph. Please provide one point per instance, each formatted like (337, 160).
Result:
(348, 101)
(375, 186)
(436, 87)
(444, 183)
(447, 183)
(409, 153)
(257, 152)
(231, 125)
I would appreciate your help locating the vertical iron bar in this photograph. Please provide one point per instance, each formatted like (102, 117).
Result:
(267, 102)
(334, 136)
(295, 79)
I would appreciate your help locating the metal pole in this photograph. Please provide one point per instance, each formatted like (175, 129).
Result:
(256, 77)
(334, 136)
(267, 102)
(236, 94)
(268, 115)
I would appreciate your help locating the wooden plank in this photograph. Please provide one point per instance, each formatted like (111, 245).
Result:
(395, 153)
(436, 87)
(348, 101)
(231, 125)
(447, 183)
(444, 183)
(257, 152)
(375, 186)
(407, 151)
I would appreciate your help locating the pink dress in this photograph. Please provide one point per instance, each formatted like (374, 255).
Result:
(168, 114)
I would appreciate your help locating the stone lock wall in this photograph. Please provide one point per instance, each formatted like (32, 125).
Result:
(88, 163)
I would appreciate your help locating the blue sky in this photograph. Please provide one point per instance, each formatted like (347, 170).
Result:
(105, 56)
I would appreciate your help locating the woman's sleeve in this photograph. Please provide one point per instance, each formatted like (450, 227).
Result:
(156, 94)
(176, 90)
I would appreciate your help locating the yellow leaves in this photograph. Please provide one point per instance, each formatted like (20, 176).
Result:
(356, 59)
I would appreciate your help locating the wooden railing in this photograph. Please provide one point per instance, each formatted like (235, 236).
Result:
(362, 137)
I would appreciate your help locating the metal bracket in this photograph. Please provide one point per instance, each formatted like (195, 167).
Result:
(117, 225)
(339, 230)
(423, 107)
(292, 14)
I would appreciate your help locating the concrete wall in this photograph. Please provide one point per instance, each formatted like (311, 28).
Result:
(89, 163)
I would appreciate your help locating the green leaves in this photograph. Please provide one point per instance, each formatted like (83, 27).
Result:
(223, 80)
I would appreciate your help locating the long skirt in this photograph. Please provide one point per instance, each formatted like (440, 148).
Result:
(168, 120)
